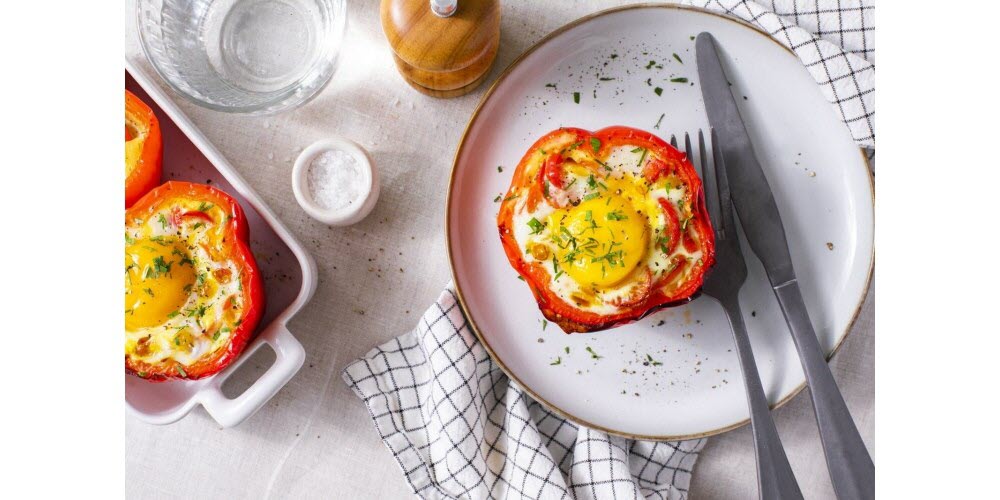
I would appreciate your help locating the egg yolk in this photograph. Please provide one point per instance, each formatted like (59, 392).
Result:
(158, 280)
(601, 240)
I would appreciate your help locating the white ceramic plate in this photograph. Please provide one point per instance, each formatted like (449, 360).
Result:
(820, 180)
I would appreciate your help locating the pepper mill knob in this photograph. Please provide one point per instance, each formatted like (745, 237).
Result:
(444, 8)
(443, 48)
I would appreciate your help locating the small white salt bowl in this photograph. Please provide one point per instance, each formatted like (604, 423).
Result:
(335, 182)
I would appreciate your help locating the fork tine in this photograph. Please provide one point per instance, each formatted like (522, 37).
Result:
(690, 152)
(725, 202)
(711, 187)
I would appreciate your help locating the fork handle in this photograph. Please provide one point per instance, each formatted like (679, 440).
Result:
(774, 475)
(852, 471)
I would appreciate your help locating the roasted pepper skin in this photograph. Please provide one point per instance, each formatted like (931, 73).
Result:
(570, 318)
(236, 248)
(147, 168)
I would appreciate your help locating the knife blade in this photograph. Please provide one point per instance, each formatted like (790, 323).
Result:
(852, 471)
(751, 192)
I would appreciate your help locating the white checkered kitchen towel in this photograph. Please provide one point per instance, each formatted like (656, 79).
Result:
(460, 429)
(835, 39)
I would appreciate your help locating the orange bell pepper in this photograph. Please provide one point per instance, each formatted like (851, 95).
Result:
(187, 245)
(143, 149)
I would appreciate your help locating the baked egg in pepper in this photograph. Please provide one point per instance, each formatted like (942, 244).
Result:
(606, 227)
(193, 292)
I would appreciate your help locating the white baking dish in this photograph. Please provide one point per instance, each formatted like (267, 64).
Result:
(288, 270)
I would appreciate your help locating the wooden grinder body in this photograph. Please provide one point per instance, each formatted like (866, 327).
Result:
(442, 56)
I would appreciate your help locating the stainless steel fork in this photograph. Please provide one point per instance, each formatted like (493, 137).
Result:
(774, 475)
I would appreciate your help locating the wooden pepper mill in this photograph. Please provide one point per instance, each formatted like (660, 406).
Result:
(443, 48)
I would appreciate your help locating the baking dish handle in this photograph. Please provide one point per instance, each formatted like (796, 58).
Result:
(289, 356)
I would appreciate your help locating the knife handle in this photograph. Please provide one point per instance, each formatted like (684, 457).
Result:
(775, 479)
(852, 471)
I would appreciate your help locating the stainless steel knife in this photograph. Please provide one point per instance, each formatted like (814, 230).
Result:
(852, 471)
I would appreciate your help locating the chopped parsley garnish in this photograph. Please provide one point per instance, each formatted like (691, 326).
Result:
(679, 80)
(616, 215)
(197, 225)
(215, 337)
(497, 199)
(605, 79)
(558, 361)
(601, 163)
(576, 97)
(171, 315)
(160, 266)
(678, 58)
(650, 360)
(184, 258)
(591, 181)
(592, 353)
(550, 85)
(197, 311)
(591, 196)
(588, 215)
(500, 168)
(595, 144)
(511, 197)
(651, 64)
(163, 221)
(181, 371)
(204, 206)
(637, 150)
(643, 157)
(148, 291)
(570, 184)
(567, 349)
(544, 324)
(657, 126)
(662, 242)
(535, 225)
(658, 90)
(569, 236)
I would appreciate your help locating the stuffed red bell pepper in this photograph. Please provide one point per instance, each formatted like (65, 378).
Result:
(606, 227)
(193, 292)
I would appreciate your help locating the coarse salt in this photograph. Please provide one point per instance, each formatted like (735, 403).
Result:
(335, 180)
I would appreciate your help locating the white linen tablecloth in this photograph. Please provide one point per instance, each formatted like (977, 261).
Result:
(315, 439)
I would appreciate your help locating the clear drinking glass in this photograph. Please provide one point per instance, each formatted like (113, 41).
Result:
(243, 56)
